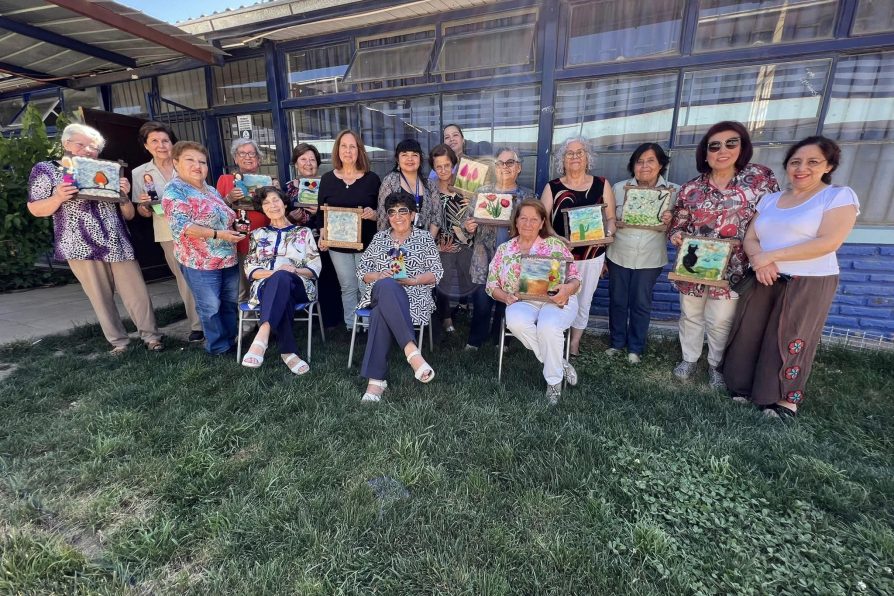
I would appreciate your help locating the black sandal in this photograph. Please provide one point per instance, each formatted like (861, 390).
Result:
(781, 412)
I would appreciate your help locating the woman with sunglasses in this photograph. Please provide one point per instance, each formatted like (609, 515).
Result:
(719, 203)
(400, 268)
(791, 248)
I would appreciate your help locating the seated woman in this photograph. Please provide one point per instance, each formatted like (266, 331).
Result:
(401, 266)
(540, 326)
(282, 264)
(791, 246)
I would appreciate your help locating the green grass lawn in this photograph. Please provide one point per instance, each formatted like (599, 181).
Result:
(179, 473)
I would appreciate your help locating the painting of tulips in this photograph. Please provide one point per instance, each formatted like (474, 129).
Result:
(586, 225)
(96, 179)
(470, 175)
(492, 209)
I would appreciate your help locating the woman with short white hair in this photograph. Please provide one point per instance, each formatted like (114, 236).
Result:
(92, 237)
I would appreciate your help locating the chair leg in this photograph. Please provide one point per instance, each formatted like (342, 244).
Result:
(567, 355)
(420, 343)
(502, 342)
(310, 328)
(353, 337)
(320, 319)
(239, 336)
(431, 337)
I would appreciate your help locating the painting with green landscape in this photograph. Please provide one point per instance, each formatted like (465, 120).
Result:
(644, 205)
(703, 261)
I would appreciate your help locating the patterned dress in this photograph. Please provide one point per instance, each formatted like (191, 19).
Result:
(271, 247)
(702, 209)
(421, 257)
(185, 205)
(505, 268)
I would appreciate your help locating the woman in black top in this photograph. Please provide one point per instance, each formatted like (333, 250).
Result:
(350, 184)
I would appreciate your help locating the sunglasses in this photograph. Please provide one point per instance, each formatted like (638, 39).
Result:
(400, 211)
(714, 146)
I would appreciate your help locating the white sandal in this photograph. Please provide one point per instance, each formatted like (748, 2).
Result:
(423, 369)
(372, 397)
(258, 360)
(299, 368)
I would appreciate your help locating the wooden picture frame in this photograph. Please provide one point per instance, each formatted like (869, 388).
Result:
(539, 276)
(703, 261)
(492, 208)
(585, 226)
(470, 176)
(343, 227)
(97, 179)
(644, 205)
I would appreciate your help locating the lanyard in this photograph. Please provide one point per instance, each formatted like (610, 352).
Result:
(416, 194)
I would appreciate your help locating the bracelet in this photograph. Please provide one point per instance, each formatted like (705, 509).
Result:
(214, 234)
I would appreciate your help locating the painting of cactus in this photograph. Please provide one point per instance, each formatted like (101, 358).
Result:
(586, 225)
(470, 175)
(96, 179)
(643, 206)
(492, 209)
(539, 277)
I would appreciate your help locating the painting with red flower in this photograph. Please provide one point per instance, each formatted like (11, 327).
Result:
(470, 175)
(97, 179)
(492, 209)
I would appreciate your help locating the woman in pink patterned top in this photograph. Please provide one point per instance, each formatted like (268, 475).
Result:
(540, 326)
(719, 203)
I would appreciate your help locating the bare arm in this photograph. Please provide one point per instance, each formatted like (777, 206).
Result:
(546, 197)
(608, 198)
(836, 225)
(48, 206)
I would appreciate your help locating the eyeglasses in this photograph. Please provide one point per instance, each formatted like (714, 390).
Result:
(810, 163)
(714, 146)
(647, 162)
(509, 163)
(578, 153)
(242, 155)
(82, 146)
(399, 211)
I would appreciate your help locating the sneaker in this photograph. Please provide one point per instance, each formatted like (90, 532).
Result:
(470, 348)
(553, 392)
(684, 370)
(570, 373)
(611, 352)
(633, 358)
(196, 337)
(715, 379)
(449, 329)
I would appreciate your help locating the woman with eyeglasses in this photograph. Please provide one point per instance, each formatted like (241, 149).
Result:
(576, 187)
(400, 267)
(635, 258)
(92, 238)
(719, 203)
(406, 178)
(791, 246)
(507, 168)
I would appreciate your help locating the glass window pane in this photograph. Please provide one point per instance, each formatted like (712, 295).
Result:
(88, 98)
(488, 49)
(491, 119)
(405, 61)
(874, 16)
(617, 112)
(776, 102)
(320, 126)
(725, 24)
(608, 30)
(868, 168)
(862, 102)
(318, 71)
(9, 108)
(129, 98)
(262, 133)
(48, 108)
(186, 88)
(242, 81)
(384, 124)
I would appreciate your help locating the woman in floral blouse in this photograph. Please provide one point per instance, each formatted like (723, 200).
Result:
(719, 203)
(204, 244)
(282, 264)
(540, 326)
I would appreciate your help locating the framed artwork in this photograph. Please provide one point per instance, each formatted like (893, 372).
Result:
(585, 226)
(470, 175)
(342, 225)
(644, 205)
(97, 179)
(308, 190)
(398, 265)
(256, 181)
(492, 209)
(703, 261)
(151, 190)
(539, 277)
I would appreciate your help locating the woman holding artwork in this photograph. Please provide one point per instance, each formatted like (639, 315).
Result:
(349, 184)
(150, 179)
(540, 326)
(453, 244)
(92, 238)
(507, 168)
(576, 187)
(307, 160)
(204, 244)
(399, 268)
(283, 265)
(717, 204)
(791, 246)
(635, 258)
(407, 179)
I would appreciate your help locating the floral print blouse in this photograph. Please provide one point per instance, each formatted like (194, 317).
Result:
(82, 229)
(270, 247)
(185, 205)
(421, 256)
(505, 268)
(702, 209)
(488, 237)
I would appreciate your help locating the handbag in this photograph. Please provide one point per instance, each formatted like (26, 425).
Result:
(742, 285)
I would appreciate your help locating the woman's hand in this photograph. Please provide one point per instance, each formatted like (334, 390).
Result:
(369, 213)
(767, 274)
(470, 226)
(124, 185)
(235, 194)
(666, 217)
(144, 210)
(65, 192)
(760, 260)
(229, 236)
(677, 238)
(509, 299)
(610, 227)
(448, 245)
(563, 293)
(312, 209)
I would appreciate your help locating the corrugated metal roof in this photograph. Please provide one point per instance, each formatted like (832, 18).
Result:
(65, 40)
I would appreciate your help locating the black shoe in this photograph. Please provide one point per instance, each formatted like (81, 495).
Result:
(196, 337)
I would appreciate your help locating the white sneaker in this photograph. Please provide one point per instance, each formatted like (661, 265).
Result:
(611, 352)
(633, 358)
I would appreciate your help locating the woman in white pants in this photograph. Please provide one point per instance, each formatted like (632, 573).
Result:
(540, 326)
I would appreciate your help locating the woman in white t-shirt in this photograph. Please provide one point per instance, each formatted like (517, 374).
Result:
(791, 246)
